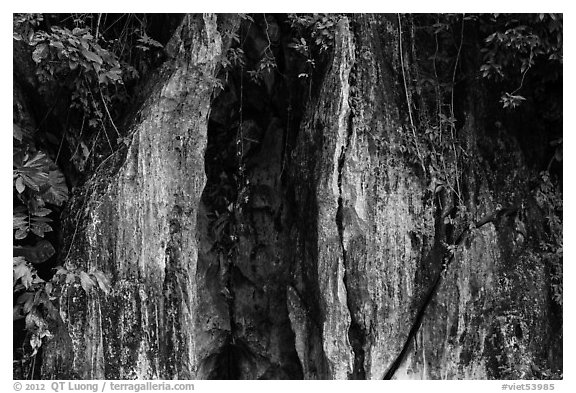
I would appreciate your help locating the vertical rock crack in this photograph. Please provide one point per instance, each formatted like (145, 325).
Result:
(355, 331)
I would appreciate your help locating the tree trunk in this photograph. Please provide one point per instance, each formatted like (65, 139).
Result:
(335, 252)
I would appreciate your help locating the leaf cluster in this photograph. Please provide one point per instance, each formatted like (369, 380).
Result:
(38, 184)
(514, 46)
(86, 66)
(81, 63)
(319, 29)
(549, 198)
(313, 37)
(34, 300)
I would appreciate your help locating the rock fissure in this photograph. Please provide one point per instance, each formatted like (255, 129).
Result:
(447, 258)
(355, 333)
(297, 124)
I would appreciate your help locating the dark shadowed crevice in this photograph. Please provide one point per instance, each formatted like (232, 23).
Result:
(227, 363)
(250, 136)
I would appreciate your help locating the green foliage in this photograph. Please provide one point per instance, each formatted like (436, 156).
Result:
(39, 186)
(83, 65)
(25, 25)
(511, 101)
(80, 62)
(265, 66)
(234, 58)
(549, 199)
(145, 43)
(88, 281)
(313, 34)
(514, 46)
(317, 28)
(432, 143)
(34, 296)
(38, 182)
(301, 47)
(519, 41)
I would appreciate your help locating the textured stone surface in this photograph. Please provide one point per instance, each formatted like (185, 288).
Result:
(336, 250)
(492, 317)
(365, 274)
(323, 139)
(359, 296)
(136, 221)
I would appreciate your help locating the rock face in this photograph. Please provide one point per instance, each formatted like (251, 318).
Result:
(369, 240)
(136, 221)
(364, 258)
(325, 135)
(334, 251)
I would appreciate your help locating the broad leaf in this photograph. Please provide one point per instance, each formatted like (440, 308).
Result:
(40, 53)
(17, 132)
(86, 281)
(20, 185)
(57, 44)
(39, 253)
(28, 304)
(93, 57)
(60, 270)
(23, 272)
(17, 312)
(34, 181)
(42, 212)
(19, 221)
(40, 161)
(25, 297)
(39, 220)
(19, 269)
(39, 228)
(34, 172)
(21, 234)
(57, 194)
(79, 31)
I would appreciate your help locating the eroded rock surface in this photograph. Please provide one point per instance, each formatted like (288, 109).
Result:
(316, 264)
(136, 221)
